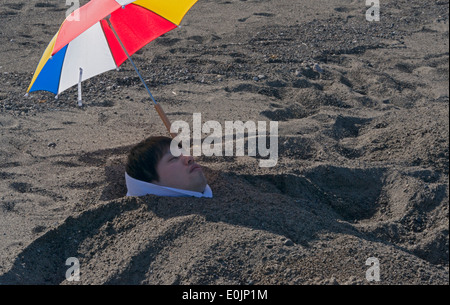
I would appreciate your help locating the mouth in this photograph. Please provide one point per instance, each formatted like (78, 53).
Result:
(195, 167)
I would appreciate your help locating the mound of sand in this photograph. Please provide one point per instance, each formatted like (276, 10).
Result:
(252, 232)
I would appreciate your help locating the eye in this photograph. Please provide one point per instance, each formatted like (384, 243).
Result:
(173, 158)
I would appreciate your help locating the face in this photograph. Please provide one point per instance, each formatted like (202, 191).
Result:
(180, 172)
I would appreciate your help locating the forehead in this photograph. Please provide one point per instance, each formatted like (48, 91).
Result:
(168, 154)
(165, 157)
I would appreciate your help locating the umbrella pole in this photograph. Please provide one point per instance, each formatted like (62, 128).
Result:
(158, 107)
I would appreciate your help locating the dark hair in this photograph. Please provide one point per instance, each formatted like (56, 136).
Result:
(144, 157)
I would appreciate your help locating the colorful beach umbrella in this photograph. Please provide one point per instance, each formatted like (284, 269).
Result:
(100, 36)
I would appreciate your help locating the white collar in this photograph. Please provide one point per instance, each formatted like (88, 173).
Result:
(140, 188)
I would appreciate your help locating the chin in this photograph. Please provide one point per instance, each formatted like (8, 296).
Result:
(199, 184)
(200, 187)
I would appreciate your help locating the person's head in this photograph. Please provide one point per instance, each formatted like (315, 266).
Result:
(151, 161)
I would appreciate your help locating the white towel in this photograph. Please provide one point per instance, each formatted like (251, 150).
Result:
(140, 188)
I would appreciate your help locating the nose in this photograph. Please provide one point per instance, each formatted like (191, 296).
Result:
(188, 160)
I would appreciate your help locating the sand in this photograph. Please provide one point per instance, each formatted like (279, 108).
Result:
(362, 173)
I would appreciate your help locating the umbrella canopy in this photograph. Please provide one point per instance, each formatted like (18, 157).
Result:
(90, 43)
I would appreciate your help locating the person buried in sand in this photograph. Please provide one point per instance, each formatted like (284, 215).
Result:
(152, 169)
